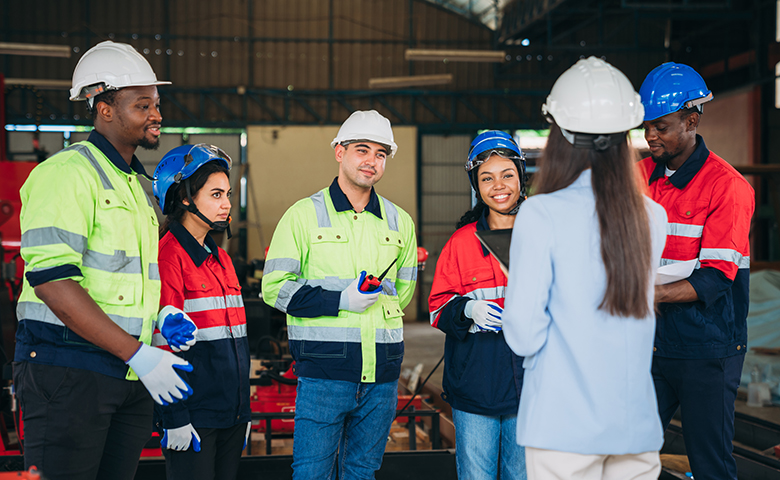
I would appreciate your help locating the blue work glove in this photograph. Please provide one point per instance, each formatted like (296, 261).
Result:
(355, 300)
(179, 439)
(486, 316)
(177, 328)
(155, 369)
(246, 437)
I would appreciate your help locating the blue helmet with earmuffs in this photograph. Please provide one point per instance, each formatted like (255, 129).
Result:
(177, 166)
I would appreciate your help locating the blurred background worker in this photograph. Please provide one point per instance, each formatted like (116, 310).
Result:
(92, 286)
(579, 302)
(482, 376)
(204, 435)
(701, 338)
(347, 341)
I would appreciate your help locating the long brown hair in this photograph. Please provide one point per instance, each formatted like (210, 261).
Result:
(623, 221)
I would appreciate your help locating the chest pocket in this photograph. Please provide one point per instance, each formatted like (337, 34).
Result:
(329, 246)
(115, 223)
(390, 246)
(685, 227)
(471, 279)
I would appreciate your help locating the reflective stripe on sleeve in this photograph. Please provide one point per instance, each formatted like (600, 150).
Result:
(491, 293)
(725, 254)
(208, 334)
(436, 312)
(407, 273)
(684, 230)
(40, 237)
(323, 219)
(669, 261)
(204, 304)
(285, 295)
(119, 262)
(154, 272)
(287, 265)
(39, 312)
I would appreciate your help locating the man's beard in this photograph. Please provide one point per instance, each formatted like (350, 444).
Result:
(149, 144)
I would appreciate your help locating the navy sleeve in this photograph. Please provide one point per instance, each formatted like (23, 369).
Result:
(312, 302)
(710, 284)
(43, 276)
(452, 321)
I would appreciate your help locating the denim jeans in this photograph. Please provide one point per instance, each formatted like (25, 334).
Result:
(485, 447)
(341, 425)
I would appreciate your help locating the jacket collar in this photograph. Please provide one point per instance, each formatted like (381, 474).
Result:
(482, 224)
(196, 252)
(689, 168)
(341, 202)
(112, 154)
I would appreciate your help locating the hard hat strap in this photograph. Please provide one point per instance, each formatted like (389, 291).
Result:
(598, 142)
(192, 208)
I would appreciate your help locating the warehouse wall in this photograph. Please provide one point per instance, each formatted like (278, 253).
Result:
(287, 164)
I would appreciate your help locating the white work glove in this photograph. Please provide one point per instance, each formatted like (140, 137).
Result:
(155, 369)
(177, 328)
(246, 437)
(179, 439)
(486, 316)
(354, 300)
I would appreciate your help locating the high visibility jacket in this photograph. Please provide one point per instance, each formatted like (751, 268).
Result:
(481, 373)
(317, 250)
(709, 206)
(205, 286)
(84, 218)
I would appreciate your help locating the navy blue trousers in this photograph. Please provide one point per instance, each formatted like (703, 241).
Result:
(705, 391)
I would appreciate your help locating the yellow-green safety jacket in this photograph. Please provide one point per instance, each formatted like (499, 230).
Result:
(319, 247)
(86, 217)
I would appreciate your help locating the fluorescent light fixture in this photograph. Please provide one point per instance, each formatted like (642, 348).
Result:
(35, 50)
(410, 81)
(420, 54)
(40, 83)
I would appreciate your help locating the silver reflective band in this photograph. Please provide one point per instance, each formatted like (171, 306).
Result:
(285, 295)
(39, 312)
(287, 265)
(436, 312)
(41, 237)
(205, 304)
(85, 151)
(491, 293)
(323, 219)
(684, 230)
(407, 273)
(392, 215)
(208, 334)
(725, 254)
(154, 272)
(119, 262)
(341, 334)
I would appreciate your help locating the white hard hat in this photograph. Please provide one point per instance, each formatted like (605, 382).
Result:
(594, 97)
(117, 65)
(366, 125)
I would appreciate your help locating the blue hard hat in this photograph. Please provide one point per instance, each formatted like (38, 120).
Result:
(488, 141)
(179, 164)
(671, 87)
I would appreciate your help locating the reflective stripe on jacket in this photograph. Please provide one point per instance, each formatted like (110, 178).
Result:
(205, 286)
(481, 373)
(80, 211)
(709, 207)
(315, 245)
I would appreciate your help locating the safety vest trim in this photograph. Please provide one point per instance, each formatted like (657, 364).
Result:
(203, 304)
(119, 262)
(44, 236)
(725, 254)
(392, 215)
(341, 334)
(41, 313)
(487, 293)
(285, 295)
(323, 219)
(684, 230)
(407, 273)
(290, 265)
(209, 334)
(154, 271)
(84, 150)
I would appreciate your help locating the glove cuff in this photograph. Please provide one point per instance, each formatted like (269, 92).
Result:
(469, 308)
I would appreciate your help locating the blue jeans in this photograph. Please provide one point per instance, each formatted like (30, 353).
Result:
(485, 447)
(337, 417)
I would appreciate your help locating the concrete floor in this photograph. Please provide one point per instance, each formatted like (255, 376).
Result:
(423, 344)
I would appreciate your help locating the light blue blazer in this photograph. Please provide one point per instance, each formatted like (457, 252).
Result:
(587, 386)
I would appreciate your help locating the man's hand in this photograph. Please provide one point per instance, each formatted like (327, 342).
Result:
(677, 292)
(177, 328)
(486, 315)
(355, 300)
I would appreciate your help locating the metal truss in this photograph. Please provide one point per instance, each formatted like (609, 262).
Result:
(431, 111)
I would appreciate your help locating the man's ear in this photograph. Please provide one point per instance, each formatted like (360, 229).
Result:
(340, 150)
(104, 111)
(692, 122)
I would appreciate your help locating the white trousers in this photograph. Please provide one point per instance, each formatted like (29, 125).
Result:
(554, 465)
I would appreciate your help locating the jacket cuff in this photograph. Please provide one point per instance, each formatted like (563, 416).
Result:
(709, 283)
(174, 415)
(50, 274)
